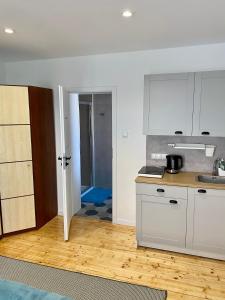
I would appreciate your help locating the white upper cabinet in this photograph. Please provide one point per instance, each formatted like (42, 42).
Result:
(168, 104)
(209, 99)
(185, 104)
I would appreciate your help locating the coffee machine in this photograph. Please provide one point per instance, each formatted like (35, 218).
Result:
(174, 163)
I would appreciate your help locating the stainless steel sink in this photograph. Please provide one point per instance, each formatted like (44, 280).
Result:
(211, 179)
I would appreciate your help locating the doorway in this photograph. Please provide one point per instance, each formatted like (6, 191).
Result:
(95, 112)
(69, 158)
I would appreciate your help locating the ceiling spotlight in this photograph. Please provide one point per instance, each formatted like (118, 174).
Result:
(8, 30)
(127, 14)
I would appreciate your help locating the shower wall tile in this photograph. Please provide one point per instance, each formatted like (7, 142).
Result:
(194, 160)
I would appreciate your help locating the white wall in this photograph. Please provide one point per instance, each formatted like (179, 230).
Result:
(125, 71)
(2, 73)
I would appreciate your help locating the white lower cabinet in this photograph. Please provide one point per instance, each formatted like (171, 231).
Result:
(207, 222)
(163, 220)
(195, 225)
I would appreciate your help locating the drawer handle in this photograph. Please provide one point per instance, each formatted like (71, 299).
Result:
(173, 201)
(205, 133)
(160, 190)
(202, 191)
(178, 132)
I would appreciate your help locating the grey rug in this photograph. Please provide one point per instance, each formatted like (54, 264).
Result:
(74, 285)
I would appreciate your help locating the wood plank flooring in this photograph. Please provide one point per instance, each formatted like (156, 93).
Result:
(109, 250)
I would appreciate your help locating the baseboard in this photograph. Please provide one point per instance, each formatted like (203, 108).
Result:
(181, 250)
(124, 222)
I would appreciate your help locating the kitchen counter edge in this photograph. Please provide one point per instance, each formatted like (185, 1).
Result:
(183, 179)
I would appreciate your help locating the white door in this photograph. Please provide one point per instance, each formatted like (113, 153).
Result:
(66, 158)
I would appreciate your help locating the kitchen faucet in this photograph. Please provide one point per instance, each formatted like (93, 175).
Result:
(216, 166)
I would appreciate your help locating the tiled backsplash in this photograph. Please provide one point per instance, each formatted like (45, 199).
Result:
(194, 160)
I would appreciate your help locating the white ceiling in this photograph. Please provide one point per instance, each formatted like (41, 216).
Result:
(60, 28)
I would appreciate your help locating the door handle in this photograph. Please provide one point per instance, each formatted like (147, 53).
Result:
(60, 159)
(205, 133)
(178, 132)
(64, 160)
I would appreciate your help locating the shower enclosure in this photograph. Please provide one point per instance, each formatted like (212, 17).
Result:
(95, 140)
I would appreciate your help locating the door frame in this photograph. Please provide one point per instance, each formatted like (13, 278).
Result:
(92, 141)
(113, 91)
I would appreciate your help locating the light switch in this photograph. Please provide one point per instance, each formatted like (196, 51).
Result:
(125, 134)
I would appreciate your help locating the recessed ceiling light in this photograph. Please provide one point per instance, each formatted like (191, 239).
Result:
(127, 13)
(8, 30)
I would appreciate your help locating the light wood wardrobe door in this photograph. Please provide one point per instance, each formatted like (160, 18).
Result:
(16, 179)
(14, 105)
(18, 214)
(15, 143)
(0, 223)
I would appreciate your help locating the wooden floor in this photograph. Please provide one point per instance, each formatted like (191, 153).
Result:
(107, 250)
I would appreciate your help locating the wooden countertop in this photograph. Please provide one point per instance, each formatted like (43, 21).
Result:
(187, 179)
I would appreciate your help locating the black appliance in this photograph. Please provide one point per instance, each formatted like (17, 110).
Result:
(174, 163)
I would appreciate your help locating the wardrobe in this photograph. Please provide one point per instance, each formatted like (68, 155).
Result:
(28, 189)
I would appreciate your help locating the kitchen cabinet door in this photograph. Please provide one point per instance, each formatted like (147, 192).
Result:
(18, 214)
(15, 143)
(208, 223)
(16, 179)
(161, 221)
(168, 104)
(14, 105)
(209, 101)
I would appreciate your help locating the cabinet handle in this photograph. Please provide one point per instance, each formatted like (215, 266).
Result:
(178, 132)
(173, 201)
(160, 190)
(205, 133)
(202, 191)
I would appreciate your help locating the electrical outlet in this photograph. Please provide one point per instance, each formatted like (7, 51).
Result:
(153, 156)
(158, 156)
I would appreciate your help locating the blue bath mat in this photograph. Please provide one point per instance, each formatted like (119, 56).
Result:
(97, 195)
